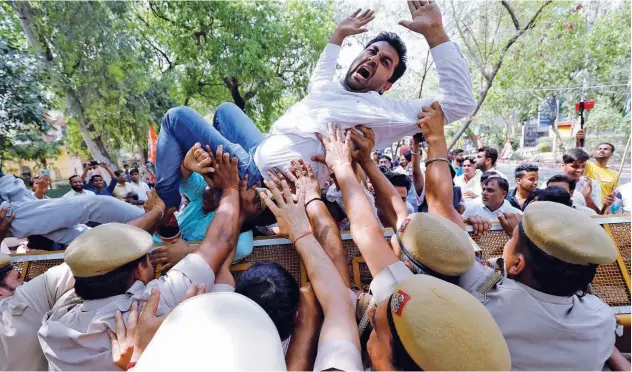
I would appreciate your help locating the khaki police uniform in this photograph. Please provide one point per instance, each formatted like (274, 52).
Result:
(21, 317)
(543, 331)
(75, 338)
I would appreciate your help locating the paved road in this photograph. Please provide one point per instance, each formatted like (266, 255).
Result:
(547, 172)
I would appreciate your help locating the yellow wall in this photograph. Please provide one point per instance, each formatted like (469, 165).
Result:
(60, 167)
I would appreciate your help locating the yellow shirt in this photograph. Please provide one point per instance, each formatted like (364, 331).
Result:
(605, 176)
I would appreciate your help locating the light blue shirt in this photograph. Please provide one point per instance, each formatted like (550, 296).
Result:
(194, 222)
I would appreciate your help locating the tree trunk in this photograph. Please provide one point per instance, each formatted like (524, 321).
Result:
(37, 42)
(233, 86)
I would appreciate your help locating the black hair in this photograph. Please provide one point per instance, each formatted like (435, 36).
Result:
(457, 151)
(489, 174)
(275, 290)
(408, 155)
(525, 168)
(502, 183)
(93, 176)
(387, 158)
(398, 44)
(135, 170)
(125, 165)
(398, 179)
(117, 173)
(472, 160)
(4, 273)
(551, 275)
(42, 242)
(71, 177)
(490, 153)
(563, 178)
(574, 155)
(110, 284)
(607, 143)
(556, 194)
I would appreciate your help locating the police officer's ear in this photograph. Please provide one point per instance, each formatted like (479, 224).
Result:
(515, 264)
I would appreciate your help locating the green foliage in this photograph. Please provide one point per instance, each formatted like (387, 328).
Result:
(257, 54)
(23, 100)
(545, 144)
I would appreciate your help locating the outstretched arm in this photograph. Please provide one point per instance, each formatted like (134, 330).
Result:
(455, 82)
(390, 203)
(326, 66)
(323, 224)
(330, 289)
(438, 177)
(365, 228)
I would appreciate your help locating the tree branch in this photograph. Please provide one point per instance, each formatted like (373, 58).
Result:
(512, 14)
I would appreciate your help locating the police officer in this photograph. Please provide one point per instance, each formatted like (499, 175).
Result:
(541, 302)
(21, 316)
(112, 271)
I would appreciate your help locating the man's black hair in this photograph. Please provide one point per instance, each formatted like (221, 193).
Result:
(472, 160)
(117, 173)
(525, 168)
(502, 183)
(275, 290)
(125, 165)
(457, 151)
(398, 179)
(556, 194)
(490, 153)
(3, 277)
(42, 242)
(551, 275)
(574, 155)
(398, 44)
(71, 177)
(135, 170)
(563, 178)
(607, 143)
(114, 283)
(488, 174)
(408, 155)
(388, 158)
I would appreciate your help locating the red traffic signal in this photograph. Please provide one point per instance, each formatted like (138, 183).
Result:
(584, 105)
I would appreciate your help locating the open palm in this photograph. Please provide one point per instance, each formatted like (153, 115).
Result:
(426, 16)
(354, 24)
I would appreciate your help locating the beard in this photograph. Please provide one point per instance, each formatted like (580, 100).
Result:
(78, 188)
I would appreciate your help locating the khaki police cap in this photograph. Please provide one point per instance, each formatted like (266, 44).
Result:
(222, 331)
(443, 327)
(105, 248)
(567, 234)
(5, 260)
(437, 243)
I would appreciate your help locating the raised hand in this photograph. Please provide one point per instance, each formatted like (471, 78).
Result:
(426, 20)
(479, 224)
(248, 199)
(337, 149)
(509, 221)
(291, 217)
(169, 255)
(226, 173)
(198, 160)
(363, 144)
(432, 123)
(352, 25)
(302, 175)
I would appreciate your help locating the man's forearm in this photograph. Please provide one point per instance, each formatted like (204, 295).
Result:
(327, 233)
(147, 221)
(365, 229)
(418, 177)
(221, 233)
(301, 353)
(439, 180)
(437, 37)
(324, 277)
(393, 208)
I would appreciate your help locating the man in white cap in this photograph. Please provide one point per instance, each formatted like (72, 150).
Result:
(111, 267)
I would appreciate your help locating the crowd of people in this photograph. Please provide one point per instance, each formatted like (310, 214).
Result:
(432, 304)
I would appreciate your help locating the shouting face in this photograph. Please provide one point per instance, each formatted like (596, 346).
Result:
(372, 69)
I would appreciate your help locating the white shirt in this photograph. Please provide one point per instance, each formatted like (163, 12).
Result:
(578, 197)
(623, 199)
(476, 209)
(473, 185)
(72, 193)
(141, 189)
(293, 135)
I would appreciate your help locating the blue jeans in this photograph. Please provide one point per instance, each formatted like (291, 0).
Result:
(182, 127)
